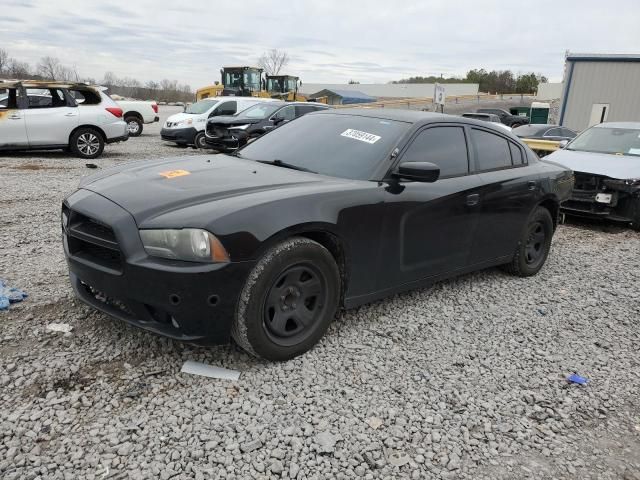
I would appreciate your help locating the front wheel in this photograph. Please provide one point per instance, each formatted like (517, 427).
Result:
(134, 125)
(635, 224)
(200, 141)
(534, 245)
(86, 143)
(290, 298)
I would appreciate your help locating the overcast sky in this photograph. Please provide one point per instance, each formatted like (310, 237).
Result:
(331, 41)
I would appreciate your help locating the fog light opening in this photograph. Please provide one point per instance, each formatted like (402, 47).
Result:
(175, 323)
(174, 299)
(213, 300)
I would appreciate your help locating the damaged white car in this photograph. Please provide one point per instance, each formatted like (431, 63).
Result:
(606, 163)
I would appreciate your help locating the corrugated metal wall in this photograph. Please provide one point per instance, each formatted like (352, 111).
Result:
(615, 83)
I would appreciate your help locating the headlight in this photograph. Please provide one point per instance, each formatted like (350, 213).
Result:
(187, 244)
(187, 121)
(239, 127)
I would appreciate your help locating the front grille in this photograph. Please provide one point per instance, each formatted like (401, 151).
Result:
(92, 241)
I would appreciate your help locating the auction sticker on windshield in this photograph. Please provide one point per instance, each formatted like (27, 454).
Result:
(362, 136)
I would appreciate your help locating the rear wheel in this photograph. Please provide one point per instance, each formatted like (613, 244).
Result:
(534, 245)
(134, 125)
(290, 298)
(86, 143)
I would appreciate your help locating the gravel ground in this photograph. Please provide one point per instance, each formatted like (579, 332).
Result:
(461, 380)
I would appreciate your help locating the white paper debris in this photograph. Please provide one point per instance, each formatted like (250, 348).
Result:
(59, 327)
(197, 368)
(375, 422)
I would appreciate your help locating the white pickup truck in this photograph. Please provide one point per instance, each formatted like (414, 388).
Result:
(138, 112)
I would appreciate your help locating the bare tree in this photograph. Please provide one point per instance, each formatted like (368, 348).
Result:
(19, 69)
(50, 68)
(273, 61)
(4, 60)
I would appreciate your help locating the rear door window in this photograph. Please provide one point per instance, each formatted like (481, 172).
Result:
(45, 98)
(444, 146)
(492, 151)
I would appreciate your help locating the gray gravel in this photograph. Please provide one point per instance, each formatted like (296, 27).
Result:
(461, 380)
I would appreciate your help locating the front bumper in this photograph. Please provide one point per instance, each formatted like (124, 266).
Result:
(110, 271)
(622, 202)
(179, 135)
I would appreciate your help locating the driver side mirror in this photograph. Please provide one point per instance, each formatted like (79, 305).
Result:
(418, 171)
(563, 144)
(277, 120)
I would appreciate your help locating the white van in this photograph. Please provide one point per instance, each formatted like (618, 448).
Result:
(187, 128)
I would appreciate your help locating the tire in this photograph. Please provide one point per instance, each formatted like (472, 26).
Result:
(134, 125)
(288, 301)
(199, 141)
(86, 143)
(635, 224)
(534, 244)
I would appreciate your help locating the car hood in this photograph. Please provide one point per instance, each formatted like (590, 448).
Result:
(182, 116)
(613, 166)
(150, 189)
(233, 120)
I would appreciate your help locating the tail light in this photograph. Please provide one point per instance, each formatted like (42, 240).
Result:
(115, 111)
(155, 107)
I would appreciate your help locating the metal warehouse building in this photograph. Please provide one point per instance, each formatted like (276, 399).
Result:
(600, 88)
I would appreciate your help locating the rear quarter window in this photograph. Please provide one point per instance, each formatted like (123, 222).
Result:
(492, 151)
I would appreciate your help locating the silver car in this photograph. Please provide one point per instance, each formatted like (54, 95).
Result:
(606, 163)
(36, 115)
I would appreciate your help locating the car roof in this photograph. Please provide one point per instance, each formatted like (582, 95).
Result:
(409, 116)
(47, 84)
(631, 125)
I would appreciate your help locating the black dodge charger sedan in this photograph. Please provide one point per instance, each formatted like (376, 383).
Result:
(330, 211)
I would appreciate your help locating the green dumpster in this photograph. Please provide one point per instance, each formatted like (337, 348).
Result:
(539, 112)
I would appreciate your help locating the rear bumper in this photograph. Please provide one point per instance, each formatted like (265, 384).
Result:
(179, 135)
(123, 138)
(186, 301)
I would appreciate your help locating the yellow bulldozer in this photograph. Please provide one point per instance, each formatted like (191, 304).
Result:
(247, 82)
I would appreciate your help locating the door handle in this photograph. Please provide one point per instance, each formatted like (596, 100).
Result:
(70, 114)
(532, 184)
(15, 117)
(473, 199)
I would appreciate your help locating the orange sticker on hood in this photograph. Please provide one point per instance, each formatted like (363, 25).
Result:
(174, 173)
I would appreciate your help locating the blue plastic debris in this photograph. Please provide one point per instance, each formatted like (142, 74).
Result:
(575, 378)
(10, 295)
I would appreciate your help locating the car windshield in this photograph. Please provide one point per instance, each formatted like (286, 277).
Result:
(618, 141)
(261, 110)
(200, 107)
(530, 130)
(345, 146)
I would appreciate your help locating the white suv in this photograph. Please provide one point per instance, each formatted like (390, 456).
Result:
(36, 115)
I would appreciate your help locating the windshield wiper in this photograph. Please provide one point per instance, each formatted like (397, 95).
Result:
(280, 163)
